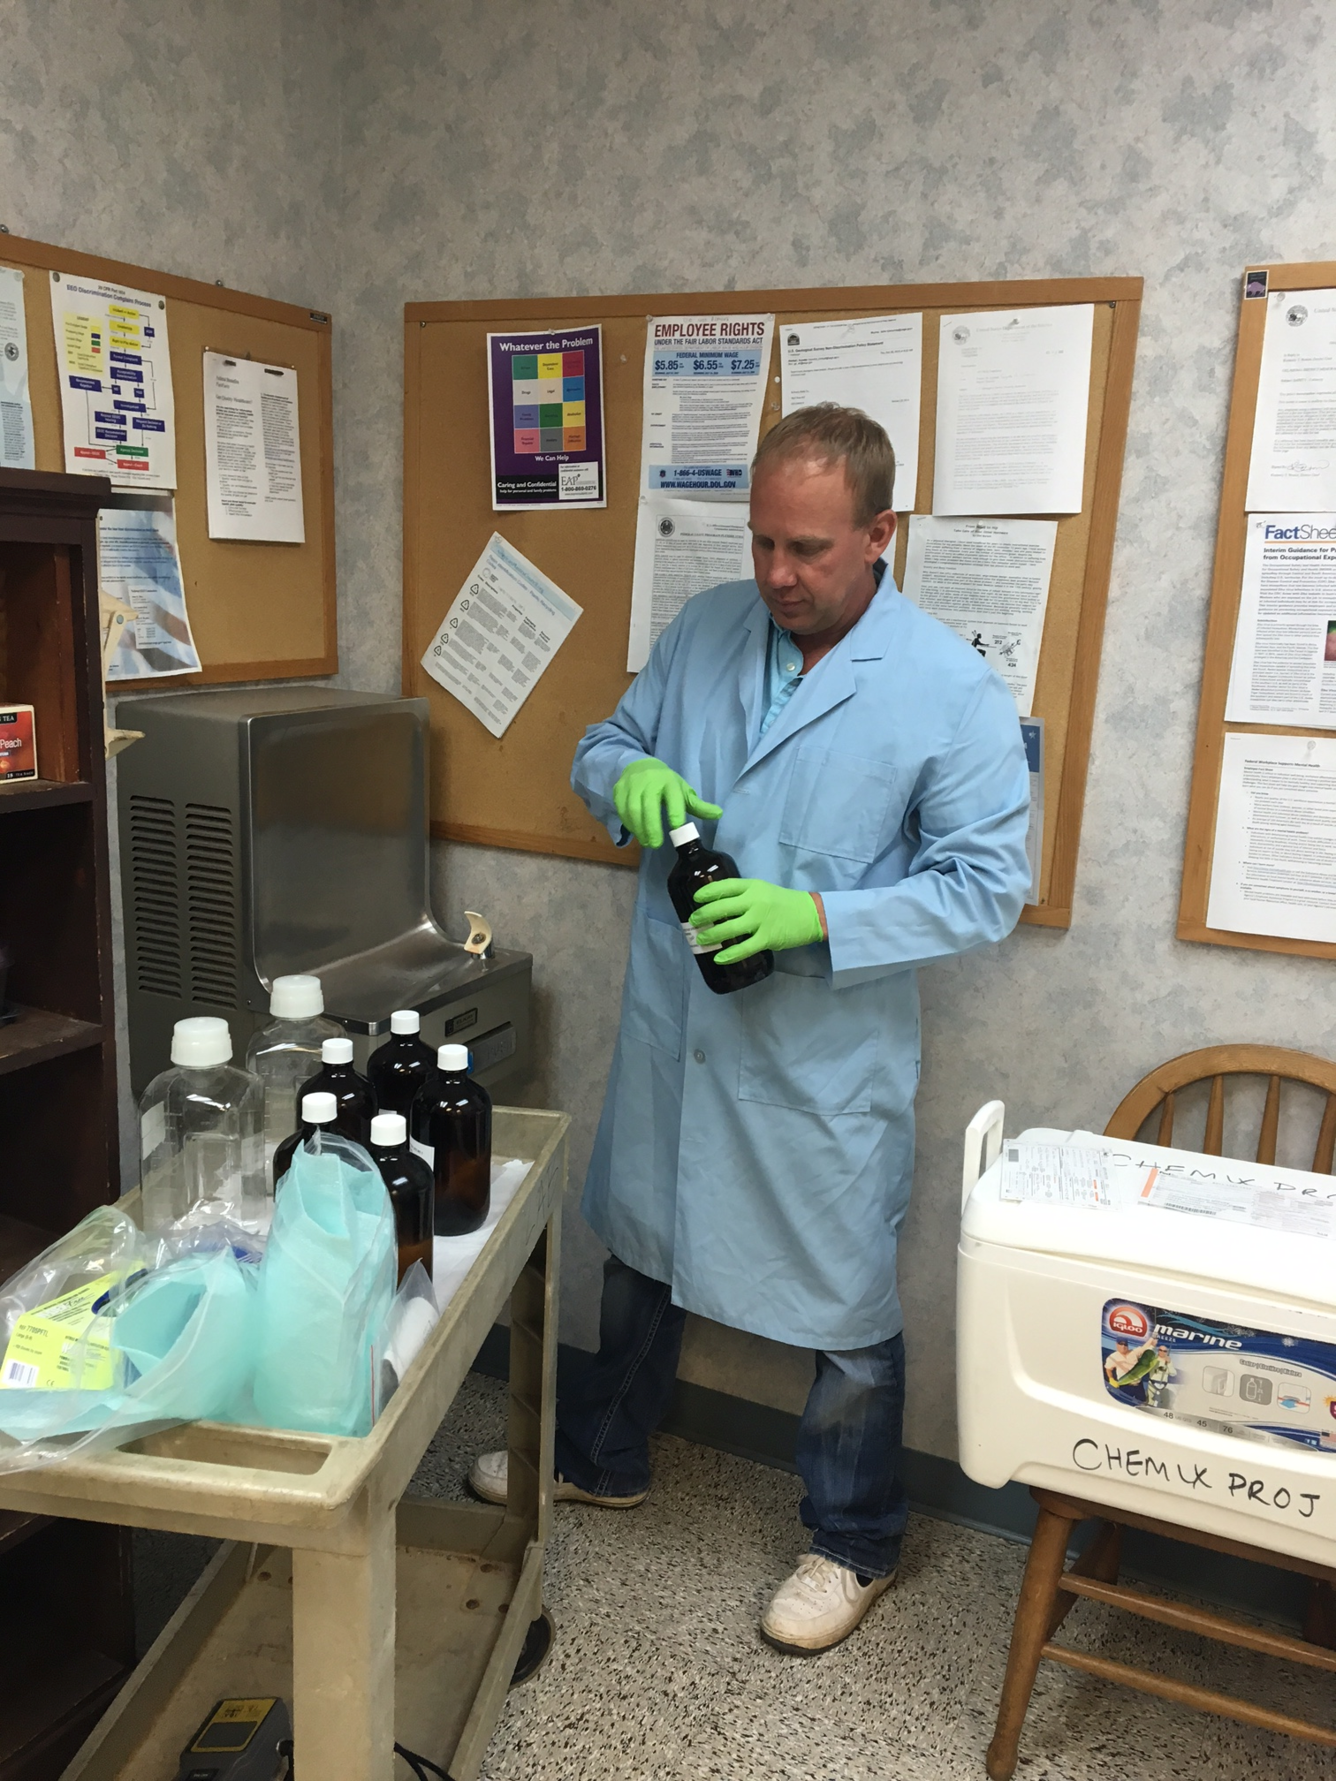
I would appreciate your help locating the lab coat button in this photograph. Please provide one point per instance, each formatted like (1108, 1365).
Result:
(699, 1056)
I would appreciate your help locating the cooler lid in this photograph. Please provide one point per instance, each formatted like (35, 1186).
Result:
(1235, 1223)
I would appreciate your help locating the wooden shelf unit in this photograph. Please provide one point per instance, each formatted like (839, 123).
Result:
(69, 1582)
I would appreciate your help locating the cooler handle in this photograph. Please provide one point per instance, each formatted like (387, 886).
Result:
(983, 1141)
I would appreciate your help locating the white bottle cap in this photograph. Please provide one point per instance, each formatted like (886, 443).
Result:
(336, 1051)
(296, 998)
(201, 1041)
(405, 1020)
(453, 1057)
(319, 1108)
(688, 832)
(389, 1128)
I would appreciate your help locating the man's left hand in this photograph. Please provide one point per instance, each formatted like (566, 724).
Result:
(758, 916)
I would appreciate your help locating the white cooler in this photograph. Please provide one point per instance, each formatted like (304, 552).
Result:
(1179, 1364)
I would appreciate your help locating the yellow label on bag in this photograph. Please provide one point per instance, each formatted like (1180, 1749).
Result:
(63, 1344)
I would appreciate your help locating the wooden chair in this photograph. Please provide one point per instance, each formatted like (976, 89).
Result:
(1049, 1592)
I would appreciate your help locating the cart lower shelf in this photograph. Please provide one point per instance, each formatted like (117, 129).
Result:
(468, 1585)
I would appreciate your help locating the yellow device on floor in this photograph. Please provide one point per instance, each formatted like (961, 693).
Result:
(239, 1741)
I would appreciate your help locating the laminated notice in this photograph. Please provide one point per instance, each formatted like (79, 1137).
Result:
(63, 1344)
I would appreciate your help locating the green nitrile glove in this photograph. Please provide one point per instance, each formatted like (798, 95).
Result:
(762, 917)
(647, 792)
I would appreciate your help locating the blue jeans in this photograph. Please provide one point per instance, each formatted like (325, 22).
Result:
(848, 1449)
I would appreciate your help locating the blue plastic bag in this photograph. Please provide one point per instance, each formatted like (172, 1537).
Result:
(326, 1284)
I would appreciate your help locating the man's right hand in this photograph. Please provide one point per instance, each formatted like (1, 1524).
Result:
(649, 792)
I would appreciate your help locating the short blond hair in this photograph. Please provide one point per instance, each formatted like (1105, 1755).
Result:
(836, 435)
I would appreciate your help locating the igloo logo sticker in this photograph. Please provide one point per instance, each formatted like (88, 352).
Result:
(1129, 1322)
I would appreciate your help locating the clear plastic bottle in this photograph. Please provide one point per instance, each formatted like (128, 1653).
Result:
(452, 1133)
(286, 1053)
(398, 1069)
(201, 1135)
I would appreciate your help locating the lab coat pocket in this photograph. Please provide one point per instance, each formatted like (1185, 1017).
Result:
(656, 985)
(807, 1046)
(841, 804)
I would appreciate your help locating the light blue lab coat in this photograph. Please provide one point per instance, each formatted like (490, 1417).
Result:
(757, 1149)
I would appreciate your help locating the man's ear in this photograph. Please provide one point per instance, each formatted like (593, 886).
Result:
(880, 534)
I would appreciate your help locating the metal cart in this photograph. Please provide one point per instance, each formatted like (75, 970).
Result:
(378, 1616)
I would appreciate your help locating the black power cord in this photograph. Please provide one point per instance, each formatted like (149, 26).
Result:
(421, 1766)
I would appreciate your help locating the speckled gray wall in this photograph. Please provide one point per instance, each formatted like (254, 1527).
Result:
(369, 154)
(582, 145)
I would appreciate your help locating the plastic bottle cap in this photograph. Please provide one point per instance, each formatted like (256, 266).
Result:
(319, 1108)
(453, 1057)
(388, 1128)
(680, 837)
(405, 1020)
(296, 998)
(200, 1041)
(336, 1051)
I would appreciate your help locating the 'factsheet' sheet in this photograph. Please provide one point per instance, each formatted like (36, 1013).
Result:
(1284, 663)
(503, 628)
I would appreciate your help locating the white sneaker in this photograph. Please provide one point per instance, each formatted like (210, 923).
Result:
(489, 1479)
(820, 1604)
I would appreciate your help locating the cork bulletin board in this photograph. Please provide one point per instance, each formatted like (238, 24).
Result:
(1226, 591)
(515, 791)
(257, 611)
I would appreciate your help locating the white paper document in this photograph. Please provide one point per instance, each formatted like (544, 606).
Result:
(115, 382)
(252, 451)
(138, 564)
(1274, 866)
(682, 548)
(1284, 664)
(16, 445)
(1013, 392)
(503, 628)
(1055, 1174)
(988, 580)
(1258, 1204)
(1293, 464)
(705, 385)
(876, 365)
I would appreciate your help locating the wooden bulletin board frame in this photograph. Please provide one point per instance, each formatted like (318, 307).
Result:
(257, 611)
(1226, 592)
(515, 792)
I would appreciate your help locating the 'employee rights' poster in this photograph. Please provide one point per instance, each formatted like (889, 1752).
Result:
(545, 392)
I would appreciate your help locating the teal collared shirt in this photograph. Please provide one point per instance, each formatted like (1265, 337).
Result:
(784, 666)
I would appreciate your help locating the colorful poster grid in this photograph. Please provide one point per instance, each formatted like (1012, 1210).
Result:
(546, 419)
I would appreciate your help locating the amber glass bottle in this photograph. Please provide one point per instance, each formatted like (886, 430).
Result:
(318, 1110)
(452, 1132)
(697, 865)
(409, 1184)
(398, 1069)
(352, 1093)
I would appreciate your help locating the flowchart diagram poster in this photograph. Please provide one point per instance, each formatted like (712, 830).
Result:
(546, 397)
(115, 382)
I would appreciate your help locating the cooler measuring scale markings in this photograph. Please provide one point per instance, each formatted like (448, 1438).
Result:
(545, 396)
(1171, 1352)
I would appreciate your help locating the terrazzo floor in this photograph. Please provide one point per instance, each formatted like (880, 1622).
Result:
(658, 1673)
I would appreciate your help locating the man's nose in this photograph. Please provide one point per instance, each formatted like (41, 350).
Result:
(780, 573)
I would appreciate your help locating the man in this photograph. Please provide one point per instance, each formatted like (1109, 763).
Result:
(755, 1154)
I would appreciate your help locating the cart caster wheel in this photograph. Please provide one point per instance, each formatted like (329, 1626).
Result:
(537, 1644)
